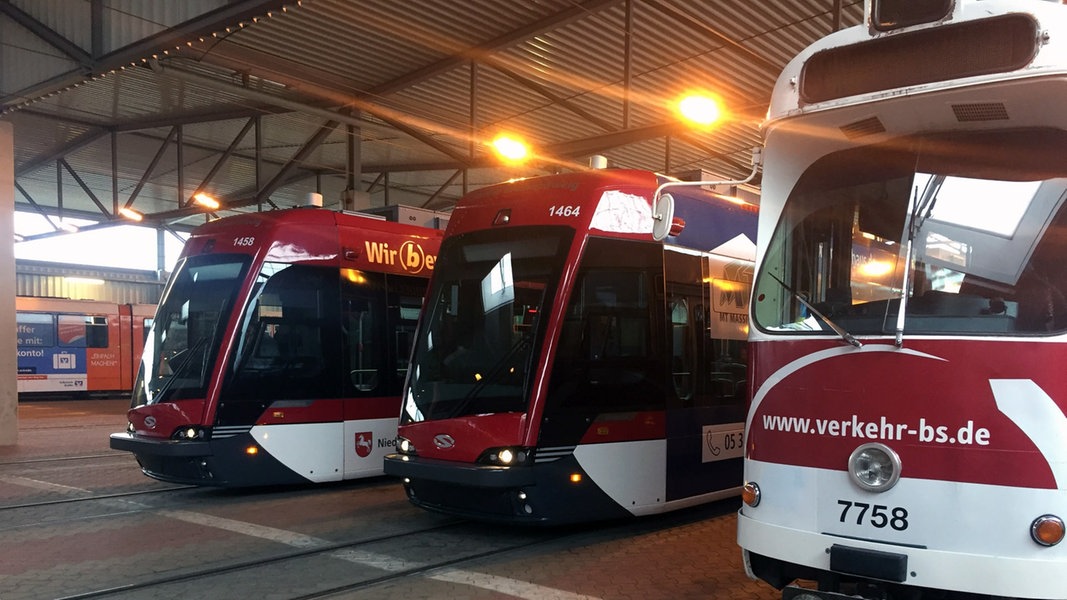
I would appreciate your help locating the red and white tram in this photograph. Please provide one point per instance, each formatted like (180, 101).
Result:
(567, 366)
(907, 434)
(279, 349)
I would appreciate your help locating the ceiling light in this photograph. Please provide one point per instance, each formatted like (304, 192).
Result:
(206, 201)
(131, 214)
(700, 109)
(510, 148)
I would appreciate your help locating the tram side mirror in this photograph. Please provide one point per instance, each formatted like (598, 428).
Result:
(662, 216)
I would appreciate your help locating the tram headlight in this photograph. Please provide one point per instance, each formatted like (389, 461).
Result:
(874, 467)
(404, 446)
(187, 433)
(1047, 530)
(505, 457)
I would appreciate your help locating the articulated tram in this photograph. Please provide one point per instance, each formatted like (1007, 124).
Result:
(279, 349)
(569, 367)
(907, 435)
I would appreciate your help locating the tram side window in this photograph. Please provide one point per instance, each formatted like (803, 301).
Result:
(291, 347)
(83, 331)
(36, 329)
(683, 346)
(405, 303)
(609, 355)
(362, 324)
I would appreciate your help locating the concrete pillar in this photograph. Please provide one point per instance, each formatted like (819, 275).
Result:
(9, 399)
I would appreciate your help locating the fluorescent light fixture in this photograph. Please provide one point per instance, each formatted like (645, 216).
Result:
(206, 201)
(131, 214)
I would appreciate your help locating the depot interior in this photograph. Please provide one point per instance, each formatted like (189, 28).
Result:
(160, 116)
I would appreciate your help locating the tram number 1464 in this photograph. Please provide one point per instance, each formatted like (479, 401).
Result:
(877, 515)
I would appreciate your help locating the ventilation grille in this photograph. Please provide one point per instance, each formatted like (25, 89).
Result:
(862, 128)
(219, 432)
(985, 111)
(551, 454)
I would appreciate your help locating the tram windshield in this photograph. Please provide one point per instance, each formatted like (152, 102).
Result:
(183, 342)
(965, 232)
(483, 325)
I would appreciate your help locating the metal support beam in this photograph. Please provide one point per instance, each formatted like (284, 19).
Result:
(114, 173)
(33, 203)
(228, 153)
(85, 188)
(263, 194)
(677, 13)
(151, 167)
(353, 154)
(627, 65)
(202, 25)
(259, 155)
(443, 187)
(47, 34)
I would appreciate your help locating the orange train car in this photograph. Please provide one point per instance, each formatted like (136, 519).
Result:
(77, 348)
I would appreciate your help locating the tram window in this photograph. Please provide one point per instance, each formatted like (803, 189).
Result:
(291, 346)
(405, 304)
(965, 231)
(682, 345)
(36, 329)
(82, 331)
(362, 315)
(609, 355)
(705, 296)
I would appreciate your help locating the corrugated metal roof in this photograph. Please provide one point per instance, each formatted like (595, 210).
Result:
(200, 71)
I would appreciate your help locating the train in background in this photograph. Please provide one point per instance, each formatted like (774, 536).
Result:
(279, 349)
(907, 435)
(78, 348)
(568, 366)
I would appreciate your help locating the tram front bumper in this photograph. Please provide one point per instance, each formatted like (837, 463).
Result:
(140, 445)
(168, 460)
(484, 476)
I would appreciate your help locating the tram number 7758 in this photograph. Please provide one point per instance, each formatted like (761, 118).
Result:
(880, 515)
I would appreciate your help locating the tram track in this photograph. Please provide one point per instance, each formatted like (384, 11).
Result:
(268, 562)
(391, 557)
(428, 568)
(60, 459)
(96, 497)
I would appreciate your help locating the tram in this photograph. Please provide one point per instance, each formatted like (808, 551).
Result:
(569, 367)
(77, 348)
(907, 435)
(279, 349)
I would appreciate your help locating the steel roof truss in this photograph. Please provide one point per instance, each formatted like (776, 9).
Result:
(81, 183)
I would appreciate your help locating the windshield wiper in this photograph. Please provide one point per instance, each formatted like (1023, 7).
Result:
(180, 370)
(491, 374)
(199, 345)
(840, 331)
(921, 207)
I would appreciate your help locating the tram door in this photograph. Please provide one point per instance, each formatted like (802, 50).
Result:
(705, 415)
(378, 316)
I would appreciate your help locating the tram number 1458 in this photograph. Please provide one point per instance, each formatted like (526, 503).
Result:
(877, 515)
